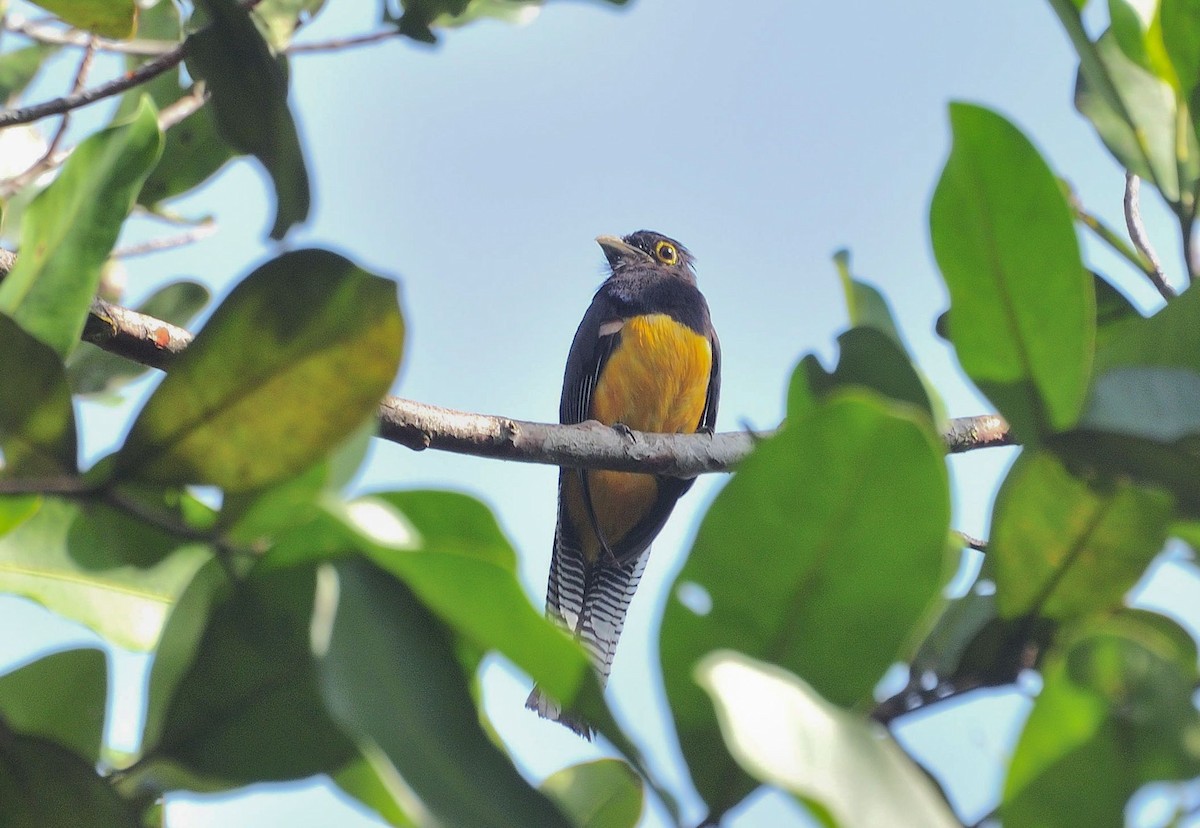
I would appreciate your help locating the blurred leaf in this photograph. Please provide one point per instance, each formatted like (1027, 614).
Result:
(1142, 133)
(1131, 22)
(60, 697)
(867, 306)
(96, 566)
(1139, 420)
(1022, 310)
(248, 708)
(19, 67)
(844, 515)
(418, 18)
(605, 793)
(374, 783)
(388, 673)
(450, 551)
(784, 734)
(1115, 712)
(92, 370)
(182, 633)
(279, 19)
(1112, 309)
(16, 509)
(1178, 31)
(297, 356)
(1062, 548)
(958, 625)
(249, 101)
(43, 784)
(114, 19)
(37, 420)
(869, 358)
(70, 228)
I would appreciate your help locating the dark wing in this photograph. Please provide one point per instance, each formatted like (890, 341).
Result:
(589, 352)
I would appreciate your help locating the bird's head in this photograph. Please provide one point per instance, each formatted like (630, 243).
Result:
(646, 250)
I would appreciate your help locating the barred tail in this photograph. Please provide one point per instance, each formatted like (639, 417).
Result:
(590, 602)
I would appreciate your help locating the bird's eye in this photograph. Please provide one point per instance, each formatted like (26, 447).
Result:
(666, 253)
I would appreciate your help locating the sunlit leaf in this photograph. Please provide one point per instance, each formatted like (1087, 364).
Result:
(845, 515)
(99, 567)
(606, 793)
(1062, 548)
(1115, 712)
(296, 357)
(72, 714)
(1022, 307)
(784, 734)
(107, 18)
(70, 228)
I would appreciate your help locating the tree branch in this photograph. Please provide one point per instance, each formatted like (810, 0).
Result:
(419, 426)
(1137, 234)
(58, 106)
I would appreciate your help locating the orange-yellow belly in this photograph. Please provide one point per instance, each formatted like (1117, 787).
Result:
(657, 381)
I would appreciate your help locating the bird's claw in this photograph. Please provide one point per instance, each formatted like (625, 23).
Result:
(625, 431)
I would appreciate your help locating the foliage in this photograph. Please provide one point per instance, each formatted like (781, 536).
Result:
(299, 632)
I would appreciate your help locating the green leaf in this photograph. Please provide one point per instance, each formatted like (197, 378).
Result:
(449, 550)
(249, 101)
(784, 734)
(19, 67)
(279, 19)
(248, 708)
(1142, 133)
(92, 370)
(60, 697)
(389, 675)
(867, 306)
(297, 356)
(372, 780)
(179, 644)
(37, 420)
(1179, 31)
(844, 514)
(1062, 548)
(606, 793)
(1022, 307)
(1139, 419)
(96, 566)
(43, 784)
(114, 19)
(16, 509)
(1115, 712)
(869, 358)
(70, 228)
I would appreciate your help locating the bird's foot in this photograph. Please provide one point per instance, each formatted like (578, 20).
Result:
(625, 431)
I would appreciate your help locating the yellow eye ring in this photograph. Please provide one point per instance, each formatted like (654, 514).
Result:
(666, 253)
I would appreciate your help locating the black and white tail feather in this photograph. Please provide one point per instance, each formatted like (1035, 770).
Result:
(590, 602)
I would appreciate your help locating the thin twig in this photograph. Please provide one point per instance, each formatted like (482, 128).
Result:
(176, 111)
(1137, 234)
(203, 231)
(1110, 237)
(340, 43)
(914, 698)
(972, 543)
(52, 35)
(983, 431)
(148, 70)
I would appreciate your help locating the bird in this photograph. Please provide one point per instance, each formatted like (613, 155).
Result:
(645, 358)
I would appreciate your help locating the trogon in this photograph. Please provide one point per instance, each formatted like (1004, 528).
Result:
(645, 358)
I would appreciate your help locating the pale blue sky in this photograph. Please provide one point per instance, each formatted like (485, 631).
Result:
(763, 136)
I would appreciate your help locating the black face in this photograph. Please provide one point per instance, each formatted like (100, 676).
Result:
(663, 251)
